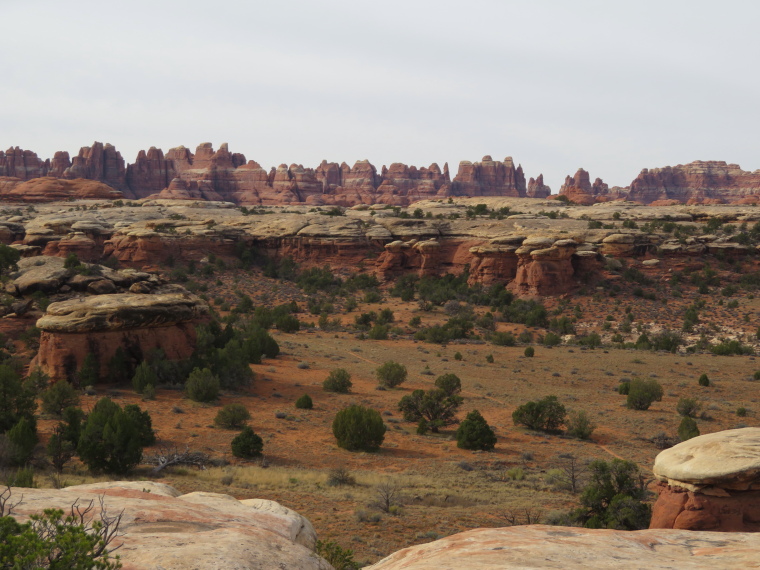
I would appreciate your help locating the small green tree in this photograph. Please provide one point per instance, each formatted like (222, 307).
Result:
(232, 416)
(688, 407)
(119, 367)
(9, 257)
(546, 414)
(89, 372)
(580, 425)
(304, 402)
(357, 428)
(642, 393)
(687, 429)
(16, 398)
(59, 396)
(73, 420)
(59, 450)
(437, 407)
(338, 557)
(110, 440)
(704, 380)
(22, 439)
(530, 352)
(475, 433)
(202, 385)
(143, 423)
(144, 377)
(339, 381)
(614, 497)
(287, 323)
(391, 374)
(247, 445)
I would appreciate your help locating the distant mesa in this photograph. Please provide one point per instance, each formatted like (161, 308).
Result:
(221, 175)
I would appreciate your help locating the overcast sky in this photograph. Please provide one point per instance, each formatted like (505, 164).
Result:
(611, 86)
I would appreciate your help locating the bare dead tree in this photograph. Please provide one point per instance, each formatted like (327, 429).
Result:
(166, 457)
(388, 494)
(6, 505)
(574, 470)
(524, 516)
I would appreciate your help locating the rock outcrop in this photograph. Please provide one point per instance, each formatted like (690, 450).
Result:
(697, 183)
(539, 546)
(164, 529)
(489, 178)
(101, 324)
(537, 188)
(710, 482)
(579, 190)
(49, 189)
(544, 267)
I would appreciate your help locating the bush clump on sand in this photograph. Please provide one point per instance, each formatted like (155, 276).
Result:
(475, 433)
(357, 428)
(232, 416)
(338, 381)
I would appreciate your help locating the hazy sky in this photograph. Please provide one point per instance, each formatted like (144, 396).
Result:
(612, 86)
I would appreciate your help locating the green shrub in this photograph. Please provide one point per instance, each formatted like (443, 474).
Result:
(338, 557)
(59, 396)
(503, 339)
(642, 393)
(110, 440)
(592, 340)
(580, 425)
(73, 420)
(378, 332)
(232, 416)
(489, 358)
(457, 356)
(552, 339)
(614, 497)
(339, 381)
(149, 392)
(704, 380)
(142, 422)
(687, 429)
(247, 445)
(546, 414)
(287, 323)
(304, 402)
(144, 377)
(741, 412)
(202, 385)
(624, 388)
(529, 352)
(89, 373)
(357, 428)
(23, 477)
(436, 407)
(731, 347)
(475, 433)
(59, 450)
(391, 374)
(16, 398)
(22, 439)
(688, 407)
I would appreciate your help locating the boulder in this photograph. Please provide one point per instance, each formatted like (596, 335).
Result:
(161, 528)
(539, 546)
(710, 482)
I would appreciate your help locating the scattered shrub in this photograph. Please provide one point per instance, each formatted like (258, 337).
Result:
(144, 377)
(704, 380)
(741, 412)
(642, 393)
(304, 402)
(687, 429)
(22, 439)
(339, 381)
(142, 422)
(580, 425)
(475, 433)
(391, 374)
(529, 352)
(688, 407)
(247, 445)
(357, 428)
(202, 385)
(546, 414)
(232, 416)
(340, 476)
(110, 441)
(59, 396)
(338, 557)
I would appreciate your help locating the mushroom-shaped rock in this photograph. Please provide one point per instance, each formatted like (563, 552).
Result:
(710, 482)
(619, 245)
(101, 324)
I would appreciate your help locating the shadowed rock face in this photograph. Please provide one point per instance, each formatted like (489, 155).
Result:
(164, 529)
(539, 546)
(710, 482)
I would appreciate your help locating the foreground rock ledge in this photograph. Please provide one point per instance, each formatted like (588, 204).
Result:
(540, 546)
(166, 530)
